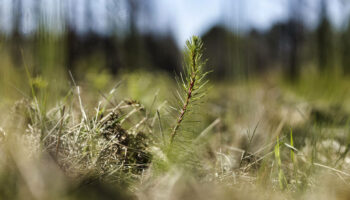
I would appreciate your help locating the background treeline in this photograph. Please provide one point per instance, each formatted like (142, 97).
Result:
(59, 40)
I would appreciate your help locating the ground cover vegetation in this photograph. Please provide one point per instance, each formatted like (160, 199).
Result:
(148, 135)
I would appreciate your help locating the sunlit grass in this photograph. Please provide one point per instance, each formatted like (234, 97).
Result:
(259, 139)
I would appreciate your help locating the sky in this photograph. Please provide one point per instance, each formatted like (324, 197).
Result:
(193, 17)
(182, 17)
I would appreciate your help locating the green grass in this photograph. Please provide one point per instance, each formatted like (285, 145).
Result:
(244, 140)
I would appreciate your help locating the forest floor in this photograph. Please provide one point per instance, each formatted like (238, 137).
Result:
(259, 139)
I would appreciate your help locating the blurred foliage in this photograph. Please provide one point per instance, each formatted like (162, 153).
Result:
(288, 46)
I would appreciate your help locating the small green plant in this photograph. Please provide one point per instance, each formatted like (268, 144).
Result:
(192, 82)
(281, 177)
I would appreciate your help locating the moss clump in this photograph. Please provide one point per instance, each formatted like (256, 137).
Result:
(128, 149)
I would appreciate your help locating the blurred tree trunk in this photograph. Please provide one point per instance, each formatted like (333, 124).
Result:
(324, 41)
(345, 46)
(16, 38)
(295, 34)
(133, 42)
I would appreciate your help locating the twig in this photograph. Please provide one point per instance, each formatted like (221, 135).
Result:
(184, 108)
(332, 169)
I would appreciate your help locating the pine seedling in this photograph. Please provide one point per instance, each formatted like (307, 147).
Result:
(191, 82)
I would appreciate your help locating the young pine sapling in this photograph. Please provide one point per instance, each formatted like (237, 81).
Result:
(192, 81)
